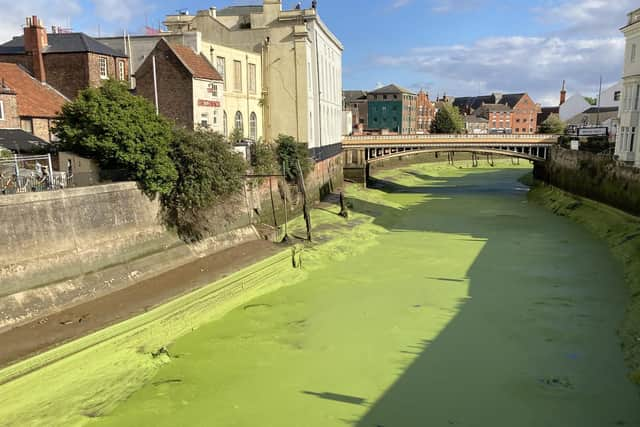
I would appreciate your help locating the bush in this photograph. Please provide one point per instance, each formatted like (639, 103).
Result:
(553, 125)
(265, 159)
(290, 152)
(121, 132)
(208, 172)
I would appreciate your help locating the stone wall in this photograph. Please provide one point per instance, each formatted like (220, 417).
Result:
(596, 177)
(62, 248)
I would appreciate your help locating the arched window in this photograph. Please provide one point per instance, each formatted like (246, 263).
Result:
(253, 126)
(225, 124)
(238, 123)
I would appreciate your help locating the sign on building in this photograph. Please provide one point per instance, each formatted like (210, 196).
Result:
(593, 131)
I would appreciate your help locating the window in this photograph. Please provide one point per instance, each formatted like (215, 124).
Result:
(237, 76)
(635, 104)
(616, 96)
(632, 138)
(238, 122)
(252, 78)
(221, 65)
(1, 110)
(213, 90)
(103, 67)
(204, 120)
(253, 126)
(26, 125)
(121, 73)
(225, 124)
(633, 53)
(215, 117)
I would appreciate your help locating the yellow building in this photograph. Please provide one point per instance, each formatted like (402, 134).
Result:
(240, 69)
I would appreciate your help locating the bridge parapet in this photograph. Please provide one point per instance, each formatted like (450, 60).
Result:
(450, 138)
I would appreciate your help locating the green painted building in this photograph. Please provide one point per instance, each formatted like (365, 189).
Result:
(392, 108)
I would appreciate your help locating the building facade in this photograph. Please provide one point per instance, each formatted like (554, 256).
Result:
(627, 149)
(425, 113)
(393, 108)
(498, 116)
(241, 71)
(28, 104)
(301, 67)
(355, 101)
(189, 89)
(68, 62)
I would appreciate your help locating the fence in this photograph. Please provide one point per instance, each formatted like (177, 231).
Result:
(24, 174)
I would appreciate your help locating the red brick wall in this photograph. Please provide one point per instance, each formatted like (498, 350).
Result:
(175, 86)
(67, 72)
(524, 118)
(23, 60)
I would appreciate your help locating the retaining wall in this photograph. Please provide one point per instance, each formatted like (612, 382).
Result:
(65, 247)
(590, 175)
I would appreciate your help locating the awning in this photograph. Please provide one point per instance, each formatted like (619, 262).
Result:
(21, 142)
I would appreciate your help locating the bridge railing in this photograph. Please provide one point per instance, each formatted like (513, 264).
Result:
(478, 137)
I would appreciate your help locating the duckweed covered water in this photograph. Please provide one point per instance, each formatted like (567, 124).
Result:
(465, 305)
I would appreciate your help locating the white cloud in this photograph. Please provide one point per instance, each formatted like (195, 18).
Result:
(513, 64)
(52, 12)
(593, 17)
(400, 3)
(122, 11)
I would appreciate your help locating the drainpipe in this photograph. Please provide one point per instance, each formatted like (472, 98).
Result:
(155, 85)
(315, 34)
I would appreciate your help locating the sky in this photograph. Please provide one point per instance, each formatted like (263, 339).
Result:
(453, 47)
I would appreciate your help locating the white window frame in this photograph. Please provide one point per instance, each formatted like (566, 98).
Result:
(238, 121)
(1, 110)
(103, 66)
(252, 78)
(221, 65)
(121, 70)
(253, 126)
(237, 76)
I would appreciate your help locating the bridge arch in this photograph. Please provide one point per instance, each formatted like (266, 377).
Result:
(479, 150)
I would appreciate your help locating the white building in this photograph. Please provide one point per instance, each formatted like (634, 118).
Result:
(575, 105)
(611, 96)
(302, 67)
(627, 149)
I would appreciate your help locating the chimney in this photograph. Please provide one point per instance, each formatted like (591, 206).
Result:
(213, 12)
(563, 94)
(35, 40)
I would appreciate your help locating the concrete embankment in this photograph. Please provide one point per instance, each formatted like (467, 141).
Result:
(622, 233)
(66, 247)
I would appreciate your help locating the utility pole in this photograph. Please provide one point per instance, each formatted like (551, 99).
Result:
(599, 99)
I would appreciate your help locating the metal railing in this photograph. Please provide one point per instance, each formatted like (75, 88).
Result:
(479, 137)
(26, 174)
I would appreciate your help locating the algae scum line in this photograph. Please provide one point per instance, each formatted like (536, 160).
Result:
(447, 298)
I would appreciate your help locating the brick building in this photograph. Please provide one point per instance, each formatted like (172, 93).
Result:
(26, 103)
(425, 112)
(69, 62)
(507, 113)
(189, 88)
(356, 102)
(392, 108)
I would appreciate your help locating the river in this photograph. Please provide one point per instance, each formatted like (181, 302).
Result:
(471, 307)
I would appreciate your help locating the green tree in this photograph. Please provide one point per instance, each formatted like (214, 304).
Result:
(290, 152)
(448, 120)
(590, 100)
(121, 132)
(236, 135)
(208, 171)
(553, 125)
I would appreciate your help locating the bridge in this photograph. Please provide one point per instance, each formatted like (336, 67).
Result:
(362, 151)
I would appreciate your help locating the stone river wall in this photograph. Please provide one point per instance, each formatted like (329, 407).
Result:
(593, 176)
(65, 247)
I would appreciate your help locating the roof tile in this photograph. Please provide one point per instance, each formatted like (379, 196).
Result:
(35, 99)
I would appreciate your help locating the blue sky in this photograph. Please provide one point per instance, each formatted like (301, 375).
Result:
(458, 47)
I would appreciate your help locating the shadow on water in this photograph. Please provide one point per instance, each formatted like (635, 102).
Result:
(511, 356)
